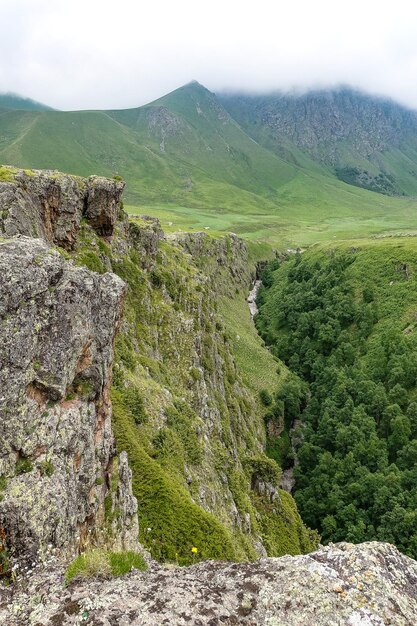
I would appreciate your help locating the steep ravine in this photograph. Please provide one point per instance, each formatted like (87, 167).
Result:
(191, 425)
(287, 480)
(343, 319)
(112, 333)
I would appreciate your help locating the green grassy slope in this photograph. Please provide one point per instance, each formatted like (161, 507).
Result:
(190, 125)
(184, 407)
(187, 161)
(14, 101)
(81, 143)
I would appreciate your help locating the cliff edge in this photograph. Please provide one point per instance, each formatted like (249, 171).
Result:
(341, 585)
(57, 330)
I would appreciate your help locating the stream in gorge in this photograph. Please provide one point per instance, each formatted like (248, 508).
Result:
(287, 479)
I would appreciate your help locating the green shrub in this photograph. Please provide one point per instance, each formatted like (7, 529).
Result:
(101, 564)
(46, 468)
(263, 468)
(23, 466)
(123, 562)
(134, 403)
(92, 261)
(265, 397)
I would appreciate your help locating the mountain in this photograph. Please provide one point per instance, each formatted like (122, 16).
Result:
(192, 128)
(15, 102)
(168, 151)
(204, 162)
(367, 141)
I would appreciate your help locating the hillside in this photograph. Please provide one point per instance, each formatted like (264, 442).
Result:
(190, 162)
(367, 141)
(343, 318)
(134, 425)
(15, 102)
(171, 388)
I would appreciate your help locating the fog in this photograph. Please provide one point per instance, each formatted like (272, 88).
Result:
(91, 54)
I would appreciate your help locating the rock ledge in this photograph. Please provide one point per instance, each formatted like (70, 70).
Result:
(371, 584)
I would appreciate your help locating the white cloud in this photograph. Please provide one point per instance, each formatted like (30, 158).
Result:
(102, 54)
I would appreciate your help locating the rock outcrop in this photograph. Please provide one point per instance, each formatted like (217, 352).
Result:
(57, 328)
(341, 585)
(51, 205)
(225, 260)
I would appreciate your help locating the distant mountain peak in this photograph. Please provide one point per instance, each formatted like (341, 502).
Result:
(192, 88)
(13, 101)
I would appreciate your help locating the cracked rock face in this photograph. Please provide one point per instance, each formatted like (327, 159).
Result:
(365, 585)
(50, 205)
(57, 325)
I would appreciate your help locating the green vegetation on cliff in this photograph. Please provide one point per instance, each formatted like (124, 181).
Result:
(343, 318)
(186, 406)
(101, 564)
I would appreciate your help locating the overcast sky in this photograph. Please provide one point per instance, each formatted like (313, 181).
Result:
(102, 54)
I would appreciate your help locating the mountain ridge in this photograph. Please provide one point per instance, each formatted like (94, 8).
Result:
(187, 157)
(342, 128)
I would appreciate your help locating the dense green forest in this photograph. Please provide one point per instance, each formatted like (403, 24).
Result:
(344, 319)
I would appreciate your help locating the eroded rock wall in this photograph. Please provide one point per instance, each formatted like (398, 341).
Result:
(51, 205)
(57, 329)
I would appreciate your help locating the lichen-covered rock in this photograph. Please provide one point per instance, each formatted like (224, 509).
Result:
(145, 233)
(50, 205)
(341, 585)
(57, 326)
(224, 260)
(125, 525)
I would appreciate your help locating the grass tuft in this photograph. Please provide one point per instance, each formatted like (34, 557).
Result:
(101, 564)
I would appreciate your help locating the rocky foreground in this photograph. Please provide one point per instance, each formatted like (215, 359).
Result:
(370, 584)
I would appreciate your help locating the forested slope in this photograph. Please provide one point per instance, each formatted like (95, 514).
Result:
(344, 319)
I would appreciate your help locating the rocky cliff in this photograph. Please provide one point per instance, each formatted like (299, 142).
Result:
(51, 205)
(57, 330)
(367, 140)
(321, 118)
(343, 585)
(191, 426)
(112, 341)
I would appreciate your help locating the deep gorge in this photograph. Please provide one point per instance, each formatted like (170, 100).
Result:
(333, 316)
(145, 426)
